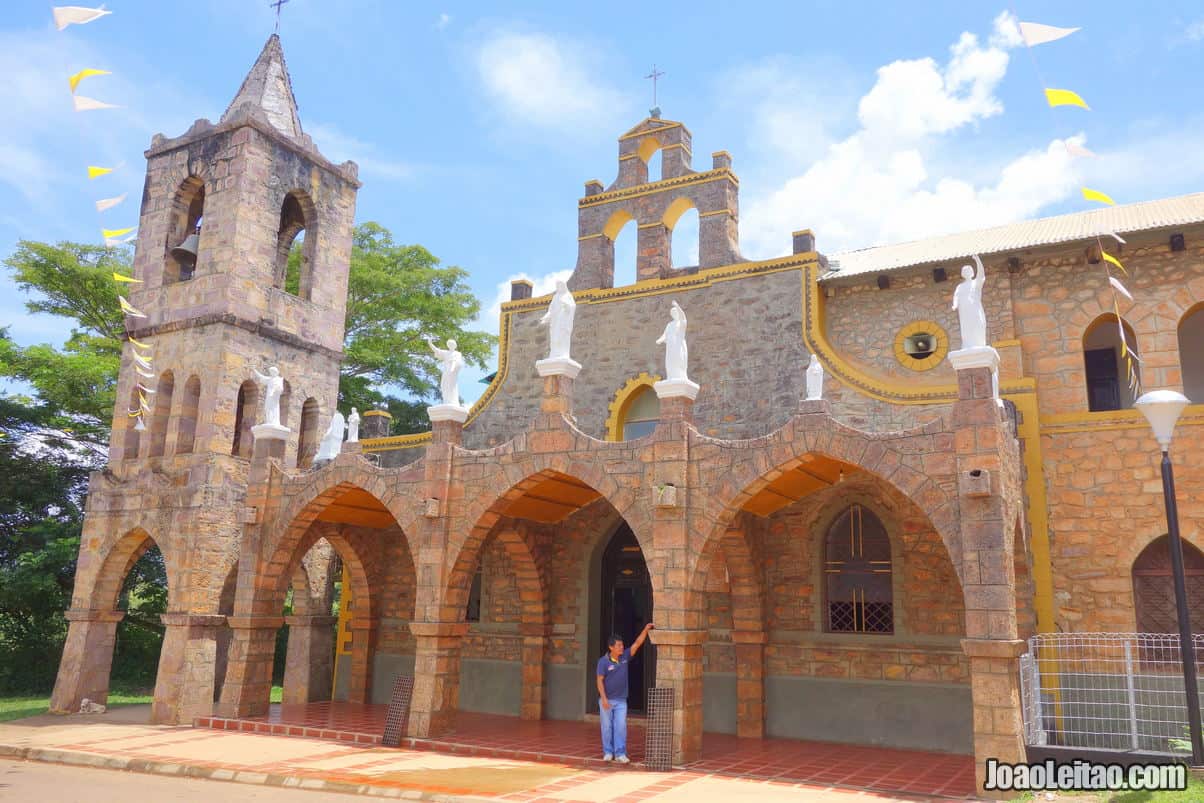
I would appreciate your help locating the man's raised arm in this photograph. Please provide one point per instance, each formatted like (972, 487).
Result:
(639, 640)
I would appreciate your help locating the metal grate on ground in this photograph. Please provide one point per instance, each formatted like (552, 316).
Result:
(658, 732)
(1105, 691)
(399, 711)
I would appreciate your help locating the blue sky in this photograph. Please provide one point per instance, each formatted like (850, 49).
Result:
(476, 125)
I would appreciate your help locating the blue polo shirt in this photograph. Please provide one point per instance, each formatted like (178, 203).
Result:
(614, 675)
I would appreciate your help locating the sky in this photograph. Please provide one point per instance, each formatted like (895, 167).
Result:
(476, 125)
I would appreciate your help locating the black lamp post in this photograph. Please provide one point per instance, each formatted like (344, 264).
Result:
(1162, 408)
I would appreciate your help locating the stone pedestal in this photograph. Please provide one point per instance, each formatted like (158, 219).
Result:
(375, 424)
(309, 666)
(271, 433)
(995, 689)
(448, 412)
(247, 690)
(184, 684)
(87, 659)
(676, 388)
(964, 361)
(750, 683)
(436, 694)
(557, 398)
(558, 366)
(531, 704)
(679, 664)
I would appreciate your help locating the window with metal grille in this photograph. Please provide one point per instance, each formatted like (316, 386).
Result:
(1154, 590)
(858, 594)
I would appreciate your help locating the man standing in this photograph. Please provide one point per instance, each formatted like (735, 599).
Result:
(612, 695)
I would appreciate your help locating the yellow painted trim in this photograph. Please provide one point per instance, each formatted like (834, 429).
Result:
(655, 225)
(1103, 421)
(676, 209)
(938, 353)
(718, 174)
(1000, 344)
(342, 636)
(590, 236)
(622, 400)
(1037, 509)
(648, 146)
(717, 212)
(630, 156)
(632, 134)
(385, 413)
(720, 153)
(616, 222)
(391, 442)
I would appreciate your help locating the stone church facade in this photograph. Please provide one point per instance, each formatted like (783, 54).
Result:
(861, 568)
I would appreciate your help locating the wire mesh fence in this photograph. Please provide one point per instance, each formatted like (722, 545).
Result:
(1106, 691)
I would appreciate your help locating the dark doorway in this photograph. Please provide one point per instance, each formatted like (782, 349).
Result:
(626, 608)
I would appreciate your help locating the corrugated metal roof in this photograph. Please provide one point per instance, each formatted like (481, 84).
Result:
(1143, 216)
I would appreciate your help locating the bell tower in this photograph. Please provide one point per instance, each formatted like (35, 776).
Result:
(243, 249)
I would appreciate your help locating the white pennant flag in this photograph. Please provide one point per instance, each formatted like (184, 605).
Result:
(1120, 288)
(144, 373)
(113, 242)
(76, 15)
(1077, 150)
(1035, 33)
(83, 104)
(109, 203)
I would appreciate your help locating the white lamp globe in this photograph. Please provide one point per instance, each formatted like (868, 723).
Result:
(1162, 409)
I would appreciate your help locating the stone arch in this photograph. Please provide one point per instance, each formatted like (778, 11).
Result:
(528, 574)
(307, 435)
(131, 443)
(162, 415)
(117, 560)
(1109, 381)
(186, 423)
(1191, 352)
(185, 218)
(297, 215)
(1154, 606)
(682, 220)
(246, 405)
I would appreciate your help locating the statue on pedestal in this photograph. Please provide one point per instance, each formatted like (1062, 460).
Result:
(451, 361)
(332, 441)
(967, 300)
(559, 318)
(674, 341)
(815, 379)
(353, 426)
(273, 389)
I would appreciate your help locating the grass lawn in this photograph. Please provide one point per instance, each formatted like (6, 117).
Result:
(21, 707)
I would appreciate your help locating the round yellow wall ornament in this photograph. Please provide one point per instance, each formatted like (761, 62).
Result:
(921, 345)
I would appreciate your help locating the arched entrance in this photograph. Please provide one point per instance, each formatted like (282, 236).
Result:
(625, 602)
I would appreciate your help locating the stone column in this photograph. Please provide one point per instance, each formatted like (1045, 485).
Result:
(436, 695)
(363, 646)
(652, 259)
(187, 668)
(247, 691)
(995, 688)
(679, 664)
(309, 667)
(87, 659)
(531, 703)
(750, 683)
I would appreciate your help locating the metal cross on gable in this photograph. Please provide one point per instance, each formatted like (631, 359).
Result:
(654, 75)
(276, 5)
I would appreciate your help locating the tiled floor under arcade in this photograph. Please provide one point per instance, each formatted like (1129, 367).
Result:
(877, 768)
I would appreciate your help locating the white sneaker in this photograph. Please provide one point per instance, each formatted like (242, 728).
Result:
(608, 757)
(622, 760)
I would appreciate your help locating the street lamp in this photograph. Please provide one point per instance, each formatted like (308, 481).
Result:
(1162, 408)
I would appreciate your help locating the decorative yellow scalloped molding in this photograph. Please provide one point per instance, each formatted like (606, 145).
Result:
(922, 327)
(622, 400)
(718, 174)
(1062, 423)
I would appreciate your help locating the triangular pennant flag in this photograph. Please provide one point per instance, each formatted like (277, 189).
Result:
(113, 242)
(139, 426)
(110, 233)
(82, 74)
(130, 309)
(1114, 236)
(1078, 151)
(83, 104)
(1113, 261)
(1096, 195)
(117, 277)
(136, 343)
(1034, 33)
(1064, 97)
(96, 172)
(76, 15)
(1120, 288)
(108, 203)
(143, 387)
(142, 402)
(142, 373)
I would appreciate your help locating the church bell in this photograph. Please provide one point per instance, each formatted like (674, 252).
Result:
(185, 252)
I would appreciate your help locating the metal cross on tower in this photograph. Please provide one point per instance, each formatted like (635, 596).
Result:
(655, 74)
(276, 5)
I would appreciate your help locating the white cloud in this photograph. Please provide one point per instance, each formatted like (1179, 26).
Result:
(877, 184)
(490, 317)
(536, 79)
(1195, 31)
(338, 146)
(443, 21)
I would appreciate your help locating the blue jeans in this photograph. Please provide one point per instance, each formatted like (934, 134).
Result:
(614, 727)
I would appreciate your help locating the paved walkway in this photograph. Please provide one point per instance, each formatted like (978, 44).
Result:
(120, 739)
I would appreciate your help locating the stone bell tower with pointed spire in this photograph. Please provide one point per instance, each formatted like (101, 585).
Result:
(263, 283)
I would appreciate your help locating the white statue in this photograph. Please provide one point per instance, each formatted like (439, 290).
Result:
(451, 361)
(273, 389)
(674, 340)
(815, 379)
(559, 318)
(332, 441)
(353, 426)
(967, 300)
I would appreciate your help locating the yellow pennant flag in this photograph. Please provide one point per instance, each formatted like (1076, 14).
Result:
(82, 74)
(1096, 195)
(117, 277)
(110, 233)
(1113, 261)
(134, 413)
(96, 172)
(137, 343)
(1064, 97)
(130, 309)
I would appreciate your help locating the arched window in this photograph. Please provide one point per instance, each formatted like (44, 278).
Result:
(652, 157)
(1154, 590)
(187, 209)
(295, 245)
(858, 594)
(1107, 360)
(133, 436)
(681, 218)
(623, 233)
(162, 405)
(1191, 353)
(639, 414)
(189, 409)
(307, 440)
(245, 406)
